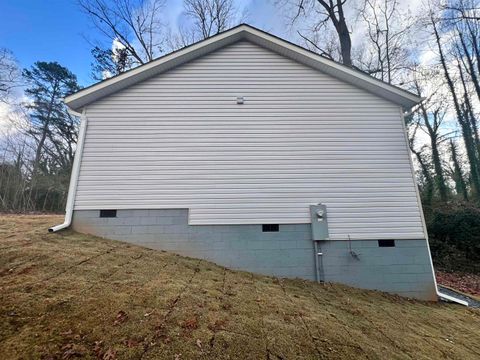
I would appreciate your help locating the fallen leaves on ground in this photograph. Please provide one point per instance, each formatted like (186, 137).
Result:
(466, 283)
(110, 354)
(120, 318)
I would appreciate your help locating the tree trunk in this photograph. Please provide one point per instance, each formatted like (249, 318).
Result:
(344, 36)
(460, 185)
(341, 28)
(38, 151)
(468, 111)
(428, 191)
(436, 159)
(471, 66)
(465, 125)
(439, 178)
(345, 44)
(41, 143)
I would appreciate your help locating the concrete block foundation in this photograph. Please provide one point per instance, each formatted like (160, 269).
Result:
(404, 269)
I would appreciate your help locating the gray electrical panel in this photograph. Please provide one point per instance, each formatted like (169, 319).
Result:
(318, 215)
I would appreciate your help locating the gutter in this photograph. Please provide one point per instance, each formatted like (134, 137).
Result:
(72, 189)
(414, 108)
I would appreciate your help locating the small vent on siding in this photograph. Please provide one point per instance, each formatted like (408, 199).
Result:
(386, 243)
(108, 213)
(270, 228)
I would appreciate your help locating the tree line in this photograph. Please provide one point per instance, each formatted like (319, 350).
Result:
(38, 150)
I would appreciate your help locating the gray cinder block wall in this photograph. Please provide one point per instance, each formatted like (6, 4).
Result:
(404, 269)
(287, 253)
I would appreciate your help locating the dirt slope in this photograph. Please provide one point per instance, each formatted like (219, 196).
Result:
(68, 295)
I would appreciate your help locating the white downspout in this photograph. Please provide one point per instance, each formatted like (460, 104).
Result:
(451, 298)
(72, 189)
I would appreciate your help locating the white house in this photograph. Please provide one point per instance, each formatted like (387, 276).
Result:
(222, 149)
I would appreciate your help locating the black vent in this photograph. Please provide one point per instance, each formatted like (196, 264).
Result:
(270, 228)
(386, 243)
(108, 213)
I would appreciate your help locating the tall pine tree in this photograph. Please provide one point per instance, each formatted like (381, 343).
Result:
(50, 124)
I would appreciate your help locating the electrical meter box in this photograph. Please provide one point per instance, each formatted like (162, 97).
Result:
(318, 215)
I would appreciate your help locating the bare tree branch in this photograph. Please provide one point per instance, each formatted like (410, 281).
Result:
(136, 24)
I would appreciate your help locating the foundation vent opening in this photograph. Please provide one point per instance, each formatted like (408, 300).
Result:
(108, 213)
(386, 243)
(270, 228)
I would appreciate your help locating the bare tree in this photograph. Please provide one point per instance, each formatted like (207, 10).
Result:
(16, 151)
(422, 160)
(184, 36)
(462, 19)
(209, 17)
(388, 48)
(467, 106)
(136, 24)
(431, 115)
(9, 74)
(464, 54)
(461, 10)
(463, 121)
(203, 19)
(328, 12)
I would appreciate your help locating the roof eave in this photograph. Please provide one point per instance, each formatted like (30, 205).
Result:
(88, 95)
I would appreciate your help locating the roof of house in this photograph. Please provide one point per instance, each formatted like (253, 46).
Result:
(357, 78)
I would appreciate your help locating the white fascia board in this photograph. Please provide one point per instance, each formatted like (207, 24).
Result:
(261, 38)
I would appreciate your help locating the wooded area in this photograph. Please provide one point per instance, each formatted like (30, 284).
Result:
(434, 52)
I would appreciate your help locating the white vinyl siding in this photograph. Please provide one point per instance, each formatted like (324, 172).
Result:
(180, 140)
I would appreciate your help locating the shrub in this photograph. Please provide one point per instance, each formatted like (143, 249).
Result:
(454, 231)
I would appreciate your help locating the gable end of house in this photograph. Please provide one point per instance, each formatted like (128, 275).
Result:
(242, 32)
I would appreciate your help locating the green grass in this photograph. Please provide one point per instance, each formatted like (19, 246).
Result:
(68, 295)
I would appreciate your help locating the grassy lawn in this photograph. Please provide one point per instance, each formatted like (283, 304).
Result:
(68, 295)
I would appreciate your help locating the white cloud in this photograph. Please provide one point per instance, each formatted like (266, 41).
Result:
(4, 122)
(427, 57)
(117, 45)
(12, 118)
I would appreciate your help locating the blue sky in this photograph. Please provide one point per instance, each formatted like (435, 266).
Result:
(56, 30)
(48, 30)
